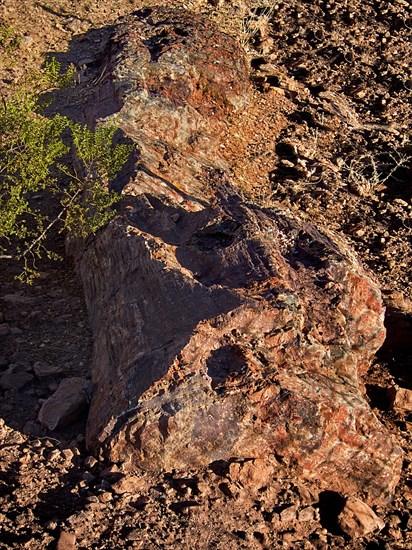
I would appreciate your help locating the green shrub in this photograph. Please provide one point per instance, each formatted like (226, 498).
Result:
(51, 157)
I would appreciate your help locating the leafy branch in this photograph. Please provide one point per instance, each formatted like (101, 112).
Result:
(43, 158)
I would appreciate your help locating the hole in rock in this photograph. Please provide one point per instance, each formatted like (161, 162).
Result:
(259, 536)
(218, 235)
(378, 397)
(220, 467)
(330, 506)
(224, 363)
(396, 350)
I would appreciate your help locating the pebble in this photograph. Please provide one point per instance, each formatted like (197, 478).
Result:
(400, 398)
(88, 477)
(26, 41)
(66, 404)
(90, 462)
(68, 454)
(55, 454)
(4, 329)
(67, 541)
(106, 497)
(288, 514)
(42, 369)
(11, 380)
(306, 514)
(129, 484)
(357, 519)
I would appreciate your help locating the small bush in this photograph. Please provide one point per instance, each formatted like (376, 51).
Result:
(51, 157)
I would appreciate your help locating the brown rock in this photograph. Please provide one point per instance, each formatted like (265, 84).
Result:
(307, 514)
(129, 484)
(357, 519)
(400, 398)
(66, 404)
(288, 514)
(254, 474)
(221, 329)
(67, 541)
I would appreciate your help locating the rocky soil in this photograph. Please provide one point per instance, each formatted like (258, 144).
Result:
(326, 135)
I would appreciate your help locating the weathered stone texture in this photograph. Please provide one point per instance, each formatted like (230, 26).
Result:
(66, 404)
(221, 329)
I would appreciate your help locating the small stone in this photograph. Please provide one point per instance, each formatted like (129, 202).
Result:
(16, 331)
(21, 366)
(11, 380)
(55, 454)
(26, 41)
(42, 369)
(306, 514)
(106, 497)
(400, 398)
(67, 454)
(112, 472)
(129, 484)
(66, 404)
(76, 25)
(357, 519)
(4, 329)
(67, 541)
(288, 514)
(90, 462)
(3, 362)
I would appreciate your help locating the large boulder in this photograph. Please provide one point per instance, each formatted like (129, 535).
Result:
(221, 329)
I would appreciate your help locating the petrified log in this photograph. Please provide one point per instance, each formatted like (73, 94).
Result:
(221, 329)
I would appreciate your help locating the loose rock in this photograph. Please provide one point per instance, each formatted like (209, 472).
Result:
(43, 369)
(67, 541)
(66, 404)
(12, 380)
(400, 398)
(357, 519)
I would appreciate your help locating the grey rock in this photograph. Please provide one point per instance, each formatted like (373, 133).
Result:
(18, 299)
(66, 404)
(43, 369)
(4, 329)
(12, 380)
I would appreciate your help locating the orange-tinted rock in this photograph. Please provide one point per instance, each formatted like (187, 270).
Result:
(357, 519)
(400, 398)
(221, 329)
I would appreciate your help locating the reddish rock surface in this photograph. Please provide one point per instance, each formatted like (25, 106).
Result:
(222, 330)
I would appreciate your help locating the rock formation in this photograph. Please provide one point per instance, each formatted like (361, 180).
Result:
(222, 330)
